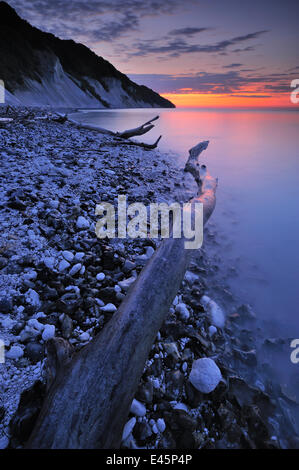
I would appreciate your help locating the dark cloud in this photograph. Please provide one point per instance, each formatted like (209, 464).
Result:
(232, 66)
(215, 83)
(176, 47)
(115, 29)
(103, 20)
(244, 49)
(187, 31)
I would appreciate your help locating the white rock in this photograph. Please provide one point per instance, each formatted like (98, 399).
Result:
(15, 352)
(205, 375)
(7, 323)
(128, 428)
(99, 302)
(109, 308)
(149, 251)
(32, 298)
(49, 262)
(4, 441)
(34, 323)
(155, 429)
(31, 276)
(74, 289)
(84, 337)
(63, 265)
(49, 332)
(172, 350)
(82, 223)
(215, 313)
(28, 333)
(181, 406)
(100, 277)
(40, 315)
(75, 269)
(79, 256)
(161, 425)
(182, 311)
(68, 255)
(138, 408)
(212, 330)
(125, 285)
(190, 277)
(82, 270)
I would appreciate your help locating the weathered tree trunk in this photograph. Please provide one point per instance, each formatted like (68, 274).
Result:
(142, 144)
(143, 129)
(89, 401)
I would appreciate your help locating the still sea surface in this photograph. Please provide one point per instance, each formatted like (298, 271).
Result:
(255, 155)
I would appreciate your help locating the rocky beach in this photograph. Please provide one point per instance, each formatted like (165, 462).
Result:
(201, 386)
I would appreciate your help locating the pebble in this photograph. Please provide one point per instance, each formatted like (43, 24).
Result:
(79, 256)
(161, 425)
(68, 256)
(181, 406)
(15, 352)
(63, 265)
(75, 269)
(109, 308)
(33, 322)
(4, 441)
(7, 323)
(138, 408)
(34, 351)
(84, 337)
(82, 223)
(49, 332)
(49, 262)
(215, 313)
(205, 375)
(172, 350)
(182, 311)
(128, 428)
(126, 284)
(54, 204)
(100, 277)
(128, 266)
(149, 251)
(212, 330)
(32, 298)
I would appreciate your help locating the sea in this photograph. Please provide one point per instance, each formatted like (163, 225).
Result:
(254, 231)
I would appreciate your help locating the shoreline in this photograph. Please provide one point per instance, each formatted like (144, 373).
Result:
(51, 282)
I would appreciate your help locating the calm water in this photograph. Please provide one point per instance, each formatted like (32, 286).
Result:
(256, 221)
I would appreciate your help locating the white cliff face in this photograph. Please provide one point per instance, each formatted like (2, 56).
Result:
(59, 89)
(56, 88)
(116, 96)
(7, 98)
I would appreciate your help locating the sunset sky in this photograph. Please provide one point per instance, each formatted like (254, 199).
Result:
(207, 53)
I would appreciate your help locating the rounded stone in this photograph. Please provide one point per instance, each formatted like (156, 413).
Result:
(34, 351)
(205, 375)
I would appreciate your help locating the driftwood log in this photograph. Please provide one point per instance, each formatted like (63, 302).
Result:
(124, 136)
(88, 403)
